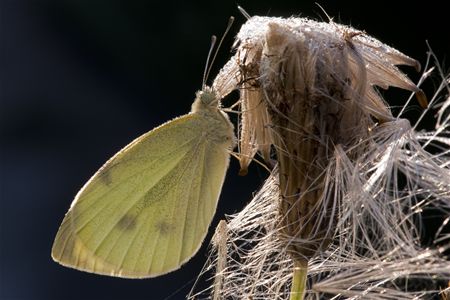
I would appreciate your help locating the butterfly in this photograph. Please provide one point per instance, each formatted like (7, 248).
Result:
(147, 210)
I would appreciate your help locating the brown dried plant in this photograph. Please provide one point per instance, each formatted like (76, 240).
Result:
(339, 217)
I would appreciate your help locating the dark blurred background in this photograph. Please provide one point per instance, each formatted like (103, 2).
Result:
(81, 79)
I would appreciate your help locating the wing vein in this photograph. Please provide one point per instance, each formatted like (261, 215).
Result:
(189, 207)
(194, 158)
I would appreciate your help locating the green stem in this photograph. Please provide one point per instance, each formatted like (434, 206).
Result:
(299, 277)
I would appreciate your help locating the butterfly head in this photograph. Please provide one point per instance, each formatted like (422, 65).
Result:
(206, 99)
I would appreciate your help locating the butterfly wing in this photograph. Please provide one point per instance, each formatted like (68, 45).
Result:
(148, 209)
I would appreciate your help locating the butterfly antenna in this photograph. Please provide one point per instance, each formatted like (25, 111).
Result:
(206, 71)
(213, 41)
(243, 12)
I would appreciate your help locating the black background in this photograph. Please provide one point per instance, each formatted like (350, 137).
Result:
(81, 79)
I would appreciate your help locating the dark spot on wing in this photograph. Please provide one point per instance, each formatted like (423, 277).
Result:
(164, 227)
(127, 222)
(105, 175)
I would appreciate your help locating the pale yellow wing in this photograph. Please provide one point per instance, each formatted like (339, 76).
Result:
(147, 210)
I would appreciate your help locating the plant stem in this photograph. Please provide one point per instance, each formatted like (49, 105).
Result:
(299, 277)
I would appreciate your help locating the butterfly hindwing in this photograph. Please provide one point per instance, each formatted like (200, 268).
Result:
(147, 210)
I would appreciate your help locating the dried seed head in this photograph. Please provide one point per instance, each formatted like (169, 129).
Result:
(348, 170)
(307, 87)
